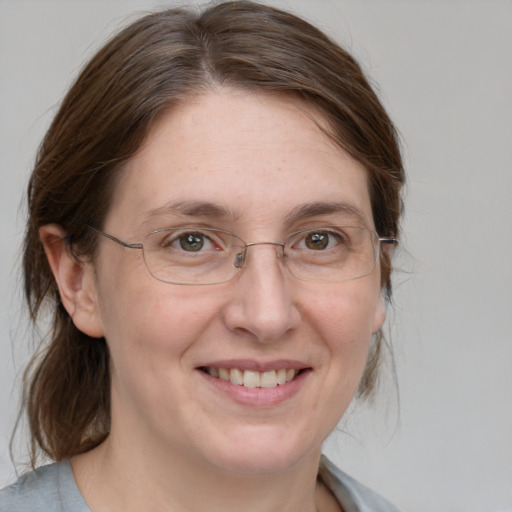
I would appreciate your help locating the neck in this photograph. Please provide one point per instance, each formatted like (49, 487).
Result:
(115, 476)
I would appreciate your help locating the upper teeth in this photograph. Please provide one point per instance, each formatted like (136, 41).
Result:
(253, 379)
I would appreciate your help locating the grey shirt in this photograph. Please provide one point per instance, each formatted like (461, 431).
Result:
(52, 488)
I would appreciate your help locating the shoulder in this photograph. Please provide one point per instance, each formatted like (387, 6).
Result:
(352, 495)
(50, 488)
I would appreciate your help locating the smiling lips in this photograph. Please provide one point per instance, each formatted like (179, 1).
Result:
(252, 378)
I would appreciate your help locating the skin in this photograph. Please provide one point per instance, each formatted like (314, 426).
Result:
(173, 432)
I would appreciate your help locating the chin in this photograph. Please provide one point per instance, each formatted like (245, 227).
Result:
(269, 463)
(263, 454)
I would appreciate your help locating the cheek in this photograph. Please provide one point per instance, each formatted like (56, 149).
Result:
(152, 332)
(154, 320)
(346, 313)
(342, 318)
(145, 320)
(344, 321)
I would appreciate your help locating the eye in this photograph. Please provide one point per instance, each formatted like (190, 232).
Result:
(319, 240)
(193, 241)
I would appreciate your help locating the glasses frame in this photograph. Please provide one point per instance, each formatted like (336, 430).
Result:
(239, 262)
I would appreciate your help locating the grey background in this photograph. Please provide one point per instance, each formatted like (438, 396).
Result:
(444, 69)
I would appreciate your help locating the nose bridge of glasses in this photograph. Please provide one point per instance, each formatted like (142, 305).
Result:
(241, 256)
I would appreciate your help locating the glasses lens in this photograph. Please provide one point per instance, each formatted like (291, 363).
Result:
(196, 255)
(191, 255)
(332, 253)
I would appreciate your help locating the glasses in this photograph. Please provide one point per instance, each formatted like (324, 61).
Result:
(194, 255)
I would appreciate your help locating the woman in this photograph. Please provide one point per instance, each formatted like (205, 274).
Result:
(211, 219)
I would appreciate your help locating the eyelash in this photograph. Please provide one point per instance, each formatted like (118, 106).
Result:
(295, 241)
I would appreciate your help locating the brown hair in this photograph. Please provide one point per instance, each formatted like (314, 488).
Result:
(151, 65)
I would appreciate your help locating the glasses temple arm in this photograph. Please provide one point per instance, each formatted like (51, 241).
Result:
(114, 239)
(388, 240)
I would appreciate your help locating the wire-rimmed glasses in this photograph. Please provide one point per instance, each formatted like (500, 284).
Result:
(195, 255)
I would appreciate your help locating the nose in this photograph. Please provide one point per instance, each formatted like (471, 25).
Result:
(262, 304)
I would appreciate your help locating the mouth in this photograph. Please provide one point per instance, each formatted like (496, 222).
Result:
(254, 379)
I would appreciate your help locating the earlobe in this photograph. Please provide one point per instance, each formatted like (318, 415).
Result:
(74, 279)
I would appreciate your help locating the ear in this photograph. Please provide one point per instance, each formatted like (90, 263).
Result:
(380, 313)
(75, 280)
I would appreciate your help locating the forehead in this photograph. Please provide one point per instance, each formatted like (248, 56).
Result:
(256, 156)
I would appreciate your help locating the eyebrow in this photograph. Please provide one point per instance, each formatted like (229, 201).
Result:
(216, 211)
(325, 208)
(193, 209)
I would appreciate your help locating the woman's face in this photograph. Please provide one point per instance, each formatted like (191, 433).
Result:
(257, 166)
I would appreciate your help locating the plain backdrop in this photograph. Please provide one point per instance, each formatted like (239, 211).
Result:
(444, 71)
